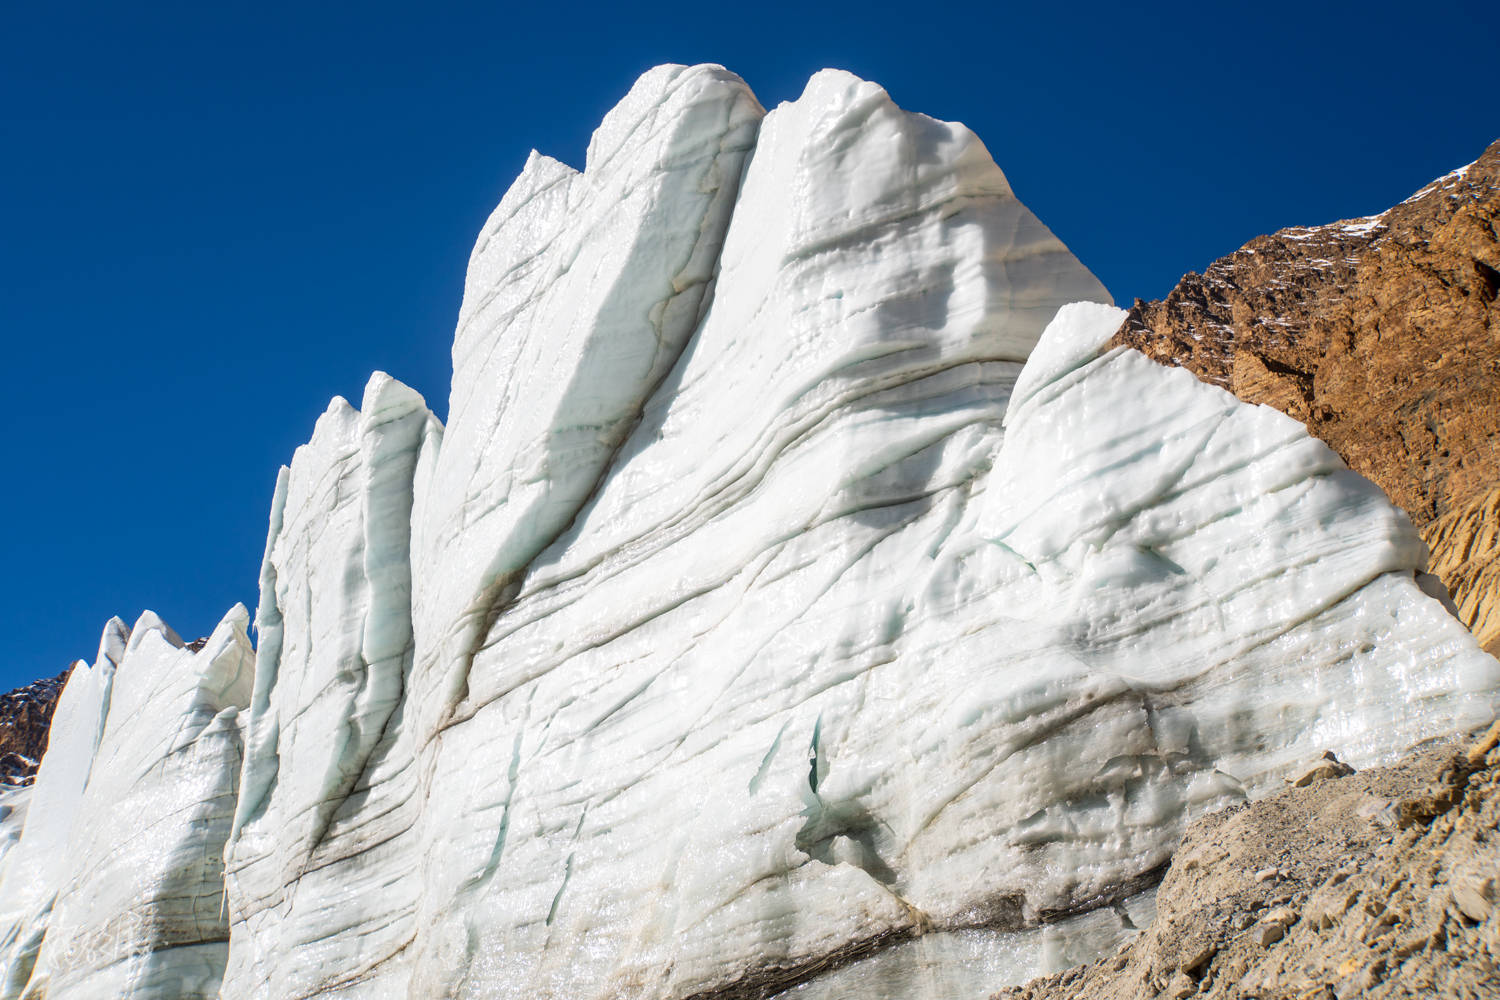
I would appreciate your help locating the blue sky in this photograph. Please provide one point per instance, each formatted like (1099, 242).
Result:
(214, 217)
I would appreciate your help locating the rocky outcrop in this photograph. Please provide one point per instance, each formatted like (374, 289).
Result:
(1465, 545)
(1382, 335)
(1377, 885)
(25, 717)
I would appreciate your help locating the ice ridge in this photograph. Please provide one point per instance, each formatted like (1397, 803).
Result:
(799, 597)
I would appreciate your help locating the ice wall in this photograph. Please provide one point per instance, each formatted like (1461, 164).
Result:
(316, 868)
(116, 887)
(582, 293)
(799, 598)
(748, 641)
(36, 866)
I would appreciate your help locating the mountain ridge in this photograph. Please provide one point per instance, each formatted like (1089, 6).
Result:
(25, 721)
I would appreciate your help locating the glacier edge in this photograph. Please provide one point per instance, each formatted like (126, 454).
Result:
(800, 597)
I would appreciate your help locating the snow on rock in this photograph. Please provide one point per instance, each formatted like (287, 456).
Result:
(25, 717)
(116, 886)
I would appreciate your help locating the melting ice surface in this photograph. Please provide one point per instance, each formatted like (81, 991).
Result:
(782, 610)
(116, 887)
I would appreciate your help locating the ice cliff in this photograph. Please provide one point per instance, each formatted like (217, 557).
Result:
(116, 886)
(780, 608)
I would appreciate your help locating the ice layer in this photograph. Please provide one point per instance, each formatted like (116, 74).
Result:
(799, 598)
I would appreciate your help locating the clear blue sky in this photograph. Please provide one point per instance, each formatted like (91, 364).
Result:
(214, 217)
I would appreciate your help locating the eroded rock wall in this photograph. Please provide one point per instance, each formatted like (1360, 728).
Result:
(25, 720)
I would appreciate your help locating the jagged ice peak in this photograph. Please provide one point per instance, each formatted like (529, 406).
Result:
(800, 596)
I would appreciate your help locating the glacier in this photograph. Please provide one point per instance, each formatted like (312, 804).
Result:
(800, 598)
(116, 887)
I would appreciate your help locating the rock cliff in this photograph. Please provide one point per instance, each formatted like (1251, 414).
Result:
(25, 719)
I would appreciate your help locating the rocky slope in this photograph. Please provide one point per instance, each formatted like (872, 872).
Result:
(25, 717)
(1379, 884)
(1382, 335)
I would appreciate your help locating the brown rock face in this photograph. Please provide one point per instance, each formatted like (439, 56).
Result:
(1465, 546)
(25, 721)
(1382, 335)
